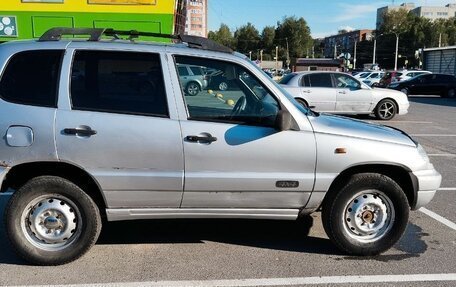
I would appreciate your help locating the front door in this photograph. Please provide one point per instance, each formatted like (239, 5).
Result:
(118, 127)
(234, 157)
(351, 97)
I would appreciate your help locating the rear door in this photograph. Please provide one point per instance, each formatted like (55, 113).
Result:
(116, 122)
(318, 90)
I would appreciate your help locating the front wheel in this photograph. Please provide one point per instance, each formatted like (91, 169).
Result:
(51, 221)
(192, 88)
(451, 93)
(386, 110)
(302, 102)
(367, 216)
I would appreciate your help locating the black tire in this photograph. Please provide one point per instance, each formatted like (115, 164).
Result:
(405, 91)
(450, 93)
(48, 199)
(348, 234)
(302, 103)
(193, 88)
(386, 110)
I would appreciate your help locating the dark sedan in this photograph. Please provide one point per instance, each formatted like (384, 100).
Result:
(428, 84)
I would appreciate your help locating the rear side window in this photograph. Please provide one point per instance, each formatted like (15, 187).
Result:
(31, 78)
(320, 80)
(118, 82)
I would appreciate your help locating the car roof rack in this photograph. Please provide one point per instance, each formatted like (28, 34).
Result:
(95, 34)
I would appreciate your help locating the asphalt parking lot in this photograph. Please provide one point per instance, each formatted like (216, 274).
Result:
(271, 253)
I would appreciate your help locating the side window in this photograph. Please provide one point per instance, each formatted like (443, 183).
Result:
(347, 82)
(305, 81)
(183, 70)
(31, 78)
(229, 93)
(322, 80)
(118, 82)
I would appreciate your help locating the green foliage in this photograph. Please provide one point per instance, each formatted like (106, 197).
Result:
(247, 38)
(223, 36)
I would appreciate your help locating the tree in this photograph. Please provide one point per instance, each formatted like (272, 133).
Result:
(297, 33)
(223, 36)
(247, 38)
(267, 38)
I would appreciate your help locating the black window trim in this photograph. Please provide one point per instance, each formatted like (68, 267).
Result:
(58, 78)
(167, 116)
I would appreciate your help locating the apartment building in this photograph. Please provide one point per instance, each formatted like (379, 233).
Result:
(345, 42)
(430, 12)
(196, 23)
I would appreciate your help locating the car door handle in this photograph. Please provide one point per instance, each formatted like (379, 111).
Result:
(80, 131)
(207, 139)
(342, 92)
(306, 91)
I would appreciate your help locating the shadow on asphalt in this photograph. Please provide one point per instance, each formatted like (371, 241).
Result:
(270, 234)
(432, 100)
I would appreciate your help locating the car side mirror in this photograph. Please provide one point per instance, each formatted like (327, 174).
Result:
(284, 121)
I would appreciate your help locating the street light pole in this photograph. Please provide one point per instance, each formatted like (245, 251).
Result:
(397, 49)
(277, 58)
(250, 55)
(375, 48)
(354, 57)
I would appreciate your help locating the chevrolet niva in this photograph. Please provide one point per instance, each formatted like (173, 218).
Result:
(105, 129)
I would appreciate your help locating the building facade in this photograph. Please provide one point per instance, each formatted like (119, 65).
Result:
(196, 23)
(429, 12)
(345, 43)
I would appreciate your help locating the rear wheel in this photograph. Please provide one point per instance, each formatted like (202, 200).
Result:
(51, 221)
(451, 93)
(386, 110)
(193, 88)
(405, 91)
(223, 86)
(367, 216)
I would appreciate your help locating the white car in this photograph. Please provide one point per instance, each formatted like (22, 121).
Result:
(341, 93)
(407, 75)
(373, 78)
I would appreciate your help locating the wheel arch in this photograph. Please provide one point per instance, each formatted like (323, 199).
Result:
(400, 174)
(300, 99)
(19, 174)
(387, 98)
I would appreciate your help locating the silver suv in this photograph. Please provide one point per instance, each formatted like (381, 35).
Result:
(192, 78)
(103, 129)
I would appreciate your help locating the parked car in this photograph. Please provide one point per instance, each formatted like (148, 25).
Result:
(341, 93)
(193, 79)
(362, 75)
(388, 78)
(217, 81)
(408, 74)
(96, 145)
(428, 84)
(374, 78)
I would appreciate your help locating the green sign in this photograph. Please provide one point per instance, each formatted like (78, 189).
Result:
(8, 26)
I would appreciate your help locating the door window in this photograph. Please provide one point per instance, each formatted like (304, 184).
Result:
(118, 82)
(347, 82)
(230, 93)
(322, 80)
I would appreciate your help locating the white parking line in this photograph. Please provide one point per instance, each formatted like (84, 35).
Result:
(439, 218)
(442, 154)
(432, 135)
(447, 189)
(280, 281)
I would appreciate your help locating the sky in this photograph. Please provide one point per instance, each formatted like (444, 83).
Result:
(324, 17)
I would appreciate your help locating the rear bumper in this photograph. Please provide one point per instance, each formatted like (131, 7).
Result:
(427, 183)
